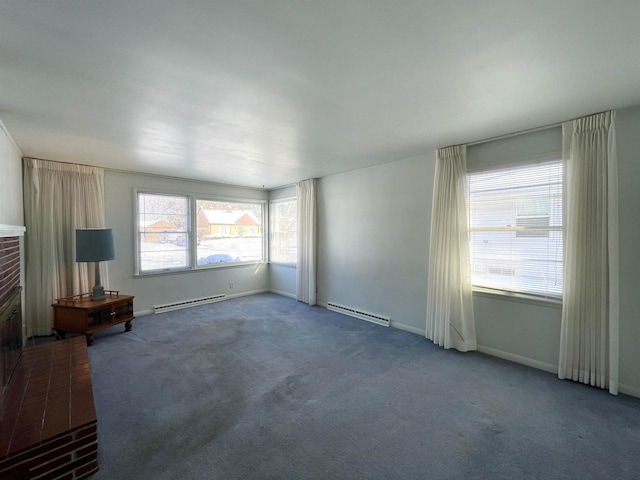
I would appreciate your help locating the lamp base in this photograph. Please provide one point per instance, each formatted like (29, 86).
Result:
(98, 293)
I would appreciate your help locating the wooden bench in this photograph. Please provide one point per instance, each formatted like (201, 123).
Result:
(48, 425)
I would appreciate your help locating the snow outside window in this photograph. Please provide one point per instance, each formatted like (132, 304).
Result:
(229, 232)
(163, 231)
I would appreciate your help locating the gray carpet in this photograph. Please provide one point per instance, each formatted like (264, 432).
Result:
(264, 387)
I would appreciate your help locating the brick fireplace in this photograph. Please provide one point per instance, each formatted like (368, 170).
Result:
(10, 308)
(48, 424)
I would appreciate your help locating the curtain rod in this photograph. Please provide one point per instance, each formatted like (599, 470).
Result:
(515, 134)
(155, 175)
(282, 186)
(132, 172)
(531, 130)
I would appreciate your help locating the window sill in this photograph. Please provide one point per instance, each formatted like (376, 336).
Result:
(517, 297)
(214, 266)
(286, 265)
(202, 268)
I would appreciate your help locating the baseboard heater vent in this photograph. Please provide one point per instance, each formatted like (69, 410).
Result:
(188, 303)
(369, 317)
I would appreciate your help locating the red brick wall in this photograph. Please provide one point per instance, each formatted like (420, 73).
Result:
(71, 456)
(9, 264)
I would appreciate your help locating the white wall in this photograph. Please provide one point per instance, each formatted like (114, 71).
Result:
(514, 329)
(527, 332)
(628, 144)
(533, 331)
(282, 279)
(373, 246)
(11, 212)
(373, 239)
(168, 288)
(373, 232)
(285, 192)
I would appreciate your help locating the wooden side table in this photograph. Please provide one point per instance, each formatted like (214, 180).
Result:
(80, 314)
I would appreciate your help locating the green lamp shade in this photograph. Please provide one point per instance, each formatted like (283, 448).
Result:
(94, 245)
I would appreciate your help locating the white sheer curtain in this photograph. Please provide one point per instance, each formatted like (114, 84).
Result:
(450, 320)
(306, 268)
(589, 333)
(59, 198)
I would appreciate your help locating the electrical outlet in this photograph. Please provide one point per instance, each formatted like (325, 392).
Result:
(231, 285)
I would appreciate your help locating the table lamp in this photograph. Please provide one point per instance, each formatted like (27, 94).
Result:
(95, 245)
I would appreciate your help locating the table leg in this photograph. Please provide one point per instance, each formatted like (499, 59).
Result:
(127, 326)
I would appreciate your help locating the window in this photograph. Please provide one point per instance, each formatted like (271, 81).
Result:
(283, 237)
(228, 232)
(515, 217)
(163, 230)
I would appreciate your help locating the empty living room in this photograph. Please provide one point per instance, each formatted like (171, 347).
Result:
(319, 240)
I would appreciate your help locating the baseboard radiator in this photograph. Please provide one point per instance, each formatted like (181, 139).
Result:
(352, 312)
(188, 303)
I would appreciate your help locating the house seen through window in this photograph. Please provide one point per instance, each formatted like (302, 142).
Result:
(228, 232)
(163, 226)
(515, 219)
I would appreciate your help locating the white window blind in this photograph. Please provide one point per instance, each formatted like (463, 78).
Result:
(515, 218)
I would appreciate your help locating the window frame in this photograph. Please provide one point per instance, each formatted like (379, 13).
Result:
(138, 272)
(215, 198)
(191, 234)
(271, 230)
(527, 297)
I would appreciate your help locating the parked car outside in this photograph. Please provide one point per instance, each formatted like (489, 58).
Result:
(217, 258)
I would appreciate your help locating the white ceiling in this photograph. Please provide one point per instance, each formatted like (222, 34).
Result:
(270, 92)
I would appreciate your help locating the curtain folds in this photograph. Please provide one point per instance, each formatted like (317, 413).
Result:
(450, 320)
(589, 334)
(58, 198)
(306, 268)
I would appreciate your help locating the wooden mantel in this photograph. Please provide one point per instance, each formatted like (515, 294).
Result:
(11, 230)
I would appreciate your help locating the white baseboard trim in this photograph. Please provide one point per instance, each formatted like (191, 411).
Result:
(547, 367)
(629, 390)
(12, 230)
(408, 328)
(392, 323)
(284, 294)
(142, 313)
(530, 362)
(246, 294)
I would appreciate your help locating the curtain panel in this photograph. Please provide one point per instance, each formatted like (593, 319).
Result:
(58, 199)
(589, 342)
(450, 320)
(306, 267)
